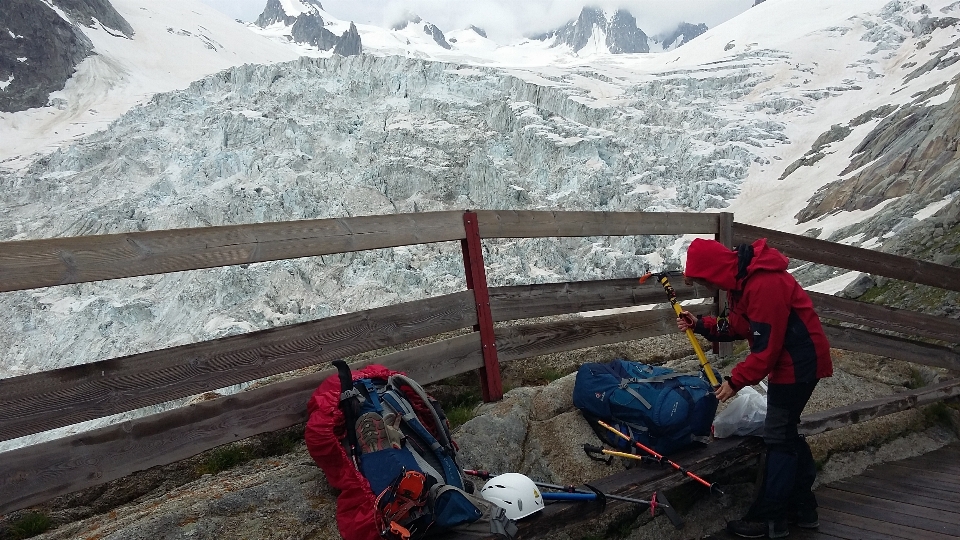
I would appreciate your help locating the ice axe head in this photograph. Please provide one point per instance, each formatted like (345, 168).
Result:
(594, 453)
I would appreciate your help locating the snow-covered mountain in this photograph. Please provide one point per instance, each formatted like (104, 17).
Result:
(616, 33)
(825, 118)
(312, 31)
(305, 22)
(81, 67)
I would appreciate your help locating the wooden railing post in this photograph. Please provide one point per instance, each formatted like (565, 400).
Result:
(725, 237)
(490, 383)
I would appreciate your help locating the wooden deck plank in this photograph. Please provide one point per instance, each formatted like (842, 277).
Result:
(642, 481)
(922, 470)
(904, 499)
(796, 533)
(939, 489)
(832, 523)
(899, 522)
(869, 509)
(945, 459)
(903, 506)
(948, 462)
(878, 527)
(881, 489)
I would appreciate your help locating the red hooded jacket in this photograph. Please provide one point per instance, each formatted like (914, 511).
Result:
(768, 308)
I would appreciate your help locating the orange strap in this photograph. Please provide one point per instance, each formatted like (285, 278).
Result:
(399, 531)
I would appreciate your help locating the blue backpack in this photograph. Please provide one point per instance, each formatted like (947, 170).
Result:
(656, 406)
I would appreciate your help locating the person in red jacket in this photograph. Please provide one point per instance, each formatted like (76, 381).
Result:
(768, 308)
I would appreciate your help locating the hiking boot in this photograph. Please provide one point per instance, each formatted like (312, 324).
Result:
(773, 528)
(807, 519)
(372, 433)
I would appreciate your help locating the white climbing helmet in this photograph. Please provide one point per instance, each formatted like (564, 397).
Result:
(515, 493)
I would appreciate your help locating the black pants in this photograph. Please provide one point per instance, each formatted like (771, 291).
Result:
(790, 471)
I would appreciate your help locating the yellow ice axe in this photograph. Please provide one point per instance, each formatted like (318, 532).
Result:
(672, 295)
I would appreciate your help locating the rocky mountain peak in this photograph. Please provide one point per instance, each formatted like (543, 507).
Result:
(429, 29)
(308, 26)
(623, 36)
(434, 32)
(349, 43)
(407, 19)
(274, 12)
(478, 30)
(680, 35)
(621, 31)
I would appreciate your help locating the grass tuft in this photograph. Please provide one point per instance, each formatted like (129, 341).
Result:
(938, 414)
(222, 459)
(29, 525)
(462, 408)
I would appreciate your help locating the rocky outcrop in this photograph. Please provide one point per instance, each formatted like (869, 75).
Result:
(622, 34)
(911, 153)
(349, 43)
(39, 51)
(273, 12)
(91, 12)
(681, 35)
(308, 27)
(480, 31)
(435, 33)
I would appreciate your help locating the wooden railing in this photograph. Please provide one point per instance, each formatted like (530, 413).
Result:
(43, 401)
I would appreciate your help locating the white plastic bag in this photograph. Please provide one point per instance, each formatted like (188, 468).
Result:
(742, 416)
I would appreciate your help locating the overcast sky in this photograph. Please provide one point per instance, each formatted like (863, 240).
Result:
(507, 19)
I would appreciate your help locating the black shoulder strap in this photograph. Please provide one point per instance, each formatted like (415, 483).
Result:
(744, 256)
(350, 405)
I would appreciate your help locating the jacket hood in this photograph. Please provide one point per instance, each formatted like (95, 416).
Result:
(712, 261)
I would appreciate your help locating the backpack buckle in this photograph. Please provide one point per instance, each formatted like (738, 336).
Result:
(353, 392)
(398, 531)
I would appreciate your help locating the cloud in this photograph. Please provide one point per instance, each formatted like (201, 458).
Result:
(508, 20)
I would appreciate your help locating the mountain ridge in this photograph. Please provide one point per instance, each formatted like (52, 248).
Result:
(307, 26)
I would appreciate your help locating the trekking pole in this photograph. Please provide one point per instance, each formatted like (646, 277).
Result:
(568, 489)
(659, 457)
(571, 493)
(672, 296)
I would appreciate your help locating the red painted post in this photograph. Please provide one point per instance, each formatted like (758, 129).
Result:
(490, 384)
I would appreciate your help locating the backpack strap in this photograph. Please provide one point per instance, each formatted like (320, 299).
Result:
(397, 380)
(451, 473)
(625, 385)
(350, 403)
